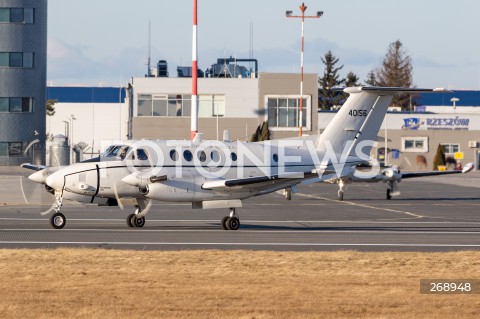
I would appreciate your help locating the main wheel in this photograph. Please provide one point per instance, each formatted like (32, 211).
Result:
(233, 223)
(288, 194)
(58, 221)
(340, 195)
(138, 222)
(389, 194)
(224, 222)
(129, 220)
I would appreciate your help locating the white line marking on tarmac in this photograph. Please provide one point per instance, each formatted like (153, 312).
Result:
(241, 231)
(362, 205)
(229, 244)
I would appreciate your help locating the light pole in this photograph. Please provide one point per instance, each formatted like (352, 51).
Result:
(454, 100)
(303, 8)
(71, 119)
(194, 107)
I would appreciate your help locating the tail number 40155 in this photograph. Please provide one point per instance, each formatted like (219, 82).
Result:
(358, 112)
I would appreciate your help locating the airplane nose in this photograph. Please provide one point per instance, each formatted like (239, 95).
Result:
(56, 180)
(39, 177)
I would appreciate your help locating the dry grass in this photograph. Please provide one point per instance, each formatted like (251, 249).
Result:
(94, 283)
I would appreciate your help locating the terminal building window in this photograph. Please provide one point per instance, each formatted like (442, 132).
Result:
(11, 149)
(16, 60)
(178, 105)
(15, 105)
(284, 111)
(211, 105)
(164, 105)
(451, 148)
(417, 144)
(17, 15)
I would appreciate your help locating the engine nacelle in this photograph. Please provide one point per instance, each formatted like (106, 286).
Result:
(392, 174)
(175, 191)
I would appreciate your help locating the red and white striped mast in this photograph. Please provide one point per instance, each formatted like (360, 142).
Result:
(303, 8)
(194, 110)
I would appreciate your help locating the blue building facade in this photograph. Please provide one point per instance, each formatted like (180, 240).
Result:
(23, 61)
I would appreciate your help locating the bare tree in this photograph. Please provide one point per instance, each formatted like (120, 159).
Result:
(396, 71)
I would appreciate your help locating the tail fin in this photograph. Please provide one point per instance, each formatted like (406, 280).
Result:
(360, 118)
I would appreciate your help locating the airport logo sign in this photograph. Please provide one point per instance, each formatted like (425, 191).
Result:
(434, 123)
(411, 123)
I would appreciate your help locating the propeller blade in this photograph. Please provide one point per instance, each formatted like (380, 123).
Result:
(47, 211)
(117, 197)
(395, 189)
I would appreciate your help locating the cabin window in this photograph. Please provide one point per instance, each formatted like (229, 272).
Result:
(233, 156)
(215, 156)
(173, 155)
(202, 156)
(187, 155)
(275, 158)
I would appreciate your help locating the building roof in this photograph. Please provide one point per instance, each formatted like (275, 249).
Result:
(466, 98)
(64, 94)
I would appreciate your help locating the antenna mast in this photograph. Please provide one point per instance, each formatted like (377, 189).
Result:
(149, 69)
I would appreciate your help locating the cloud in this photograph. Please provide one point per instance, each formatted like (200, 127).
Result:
(69, 64)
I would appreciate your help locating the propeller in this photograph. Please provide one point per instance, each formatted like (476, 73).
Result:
(119, 202)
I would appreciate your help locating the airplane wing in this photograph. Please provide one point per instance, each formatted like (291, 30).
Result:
(467, 168)
(33, 167)
(258, 183)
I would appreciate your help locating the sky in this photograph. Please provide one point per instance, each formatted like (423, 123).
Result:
(92, 42)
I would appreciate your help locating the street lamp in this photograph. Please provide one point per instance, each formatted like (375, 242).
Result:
(454, 100)
(289, 14)
(71, 119)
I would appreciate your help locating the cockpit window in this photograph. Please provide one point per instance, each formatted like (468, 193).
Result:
(142, 155)
(111, 151)
(122, 153)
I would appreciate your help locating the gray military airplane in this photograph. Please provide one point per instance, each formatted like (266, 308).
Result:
(215, 174)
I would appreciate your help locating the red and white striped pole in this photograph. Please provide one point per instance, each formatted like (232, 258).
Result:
(303, 8)
(300, 115)
(194, 110)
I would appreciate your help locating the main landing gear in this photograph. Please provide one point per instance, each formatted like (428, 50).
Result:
(231, 222)
(341, 184)
(138, 219)
(134, 221)
(390, 190)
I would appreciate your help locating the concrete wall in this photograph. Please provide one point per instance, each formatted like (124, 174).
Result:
(289, 84)
(94, 124)
(245, 105)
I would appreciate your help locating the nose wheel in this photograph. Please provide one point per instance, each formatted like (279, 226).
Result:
(58, 220)
(231, 222)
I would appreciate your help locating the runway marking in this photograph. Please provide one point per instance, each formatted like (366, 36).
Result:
(362, 205)
(241, 231)
(232, 244)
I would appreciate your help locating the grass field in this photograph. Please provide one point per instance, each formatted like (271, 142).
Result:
(97, 283)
